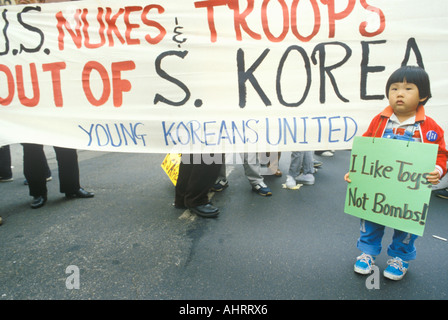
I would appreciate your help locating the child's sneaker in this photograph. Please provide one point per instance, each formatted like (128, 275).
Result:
(396, 269)
(364, 264)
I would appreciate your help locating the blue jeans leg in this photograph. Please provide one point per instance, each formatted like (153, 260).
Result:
(370, 237)
(402, 246)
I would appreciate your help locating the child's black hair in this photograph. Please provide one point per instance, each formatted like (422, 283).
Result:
(412, 74)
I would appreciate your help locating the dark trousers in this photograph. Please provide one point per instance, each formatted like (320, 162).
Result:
(194, 182)
(35, 169)
(5, 162)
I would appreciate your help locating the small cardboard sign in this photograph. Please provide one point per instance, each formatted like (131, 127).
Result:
(388, 182)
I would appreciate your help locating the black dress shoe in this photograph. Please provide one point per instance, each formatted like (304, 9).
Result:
(205, 211)
(81, 193)
(38, 202)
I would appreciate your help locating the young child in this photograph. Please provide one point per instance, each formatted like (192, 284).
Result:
(408, 89)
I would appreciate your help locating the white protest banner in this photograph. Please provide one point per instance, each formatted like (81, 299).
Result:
(210, 75)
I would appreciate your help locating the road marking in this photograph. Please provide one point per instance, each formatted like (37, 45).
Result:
(440, 238)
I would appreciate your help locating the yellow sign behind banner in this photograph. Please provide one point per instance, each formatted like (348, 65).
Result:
(171, 165)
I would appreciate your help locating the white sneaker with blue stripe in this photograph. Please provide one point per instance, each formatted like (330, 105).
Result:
(396, 269)
(364, 264)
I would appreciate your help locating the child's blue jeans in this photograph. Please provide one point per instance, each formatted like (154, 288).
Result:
(402, 245)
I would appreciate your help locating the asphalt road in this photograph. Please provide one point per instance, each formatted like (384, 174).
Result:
(129, 242)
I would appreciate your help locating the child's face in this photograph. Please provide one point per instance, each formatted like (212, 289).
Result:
(404, 99)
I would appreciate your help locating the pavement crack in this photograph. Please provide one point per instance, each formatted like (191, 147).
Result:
(194, 233)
